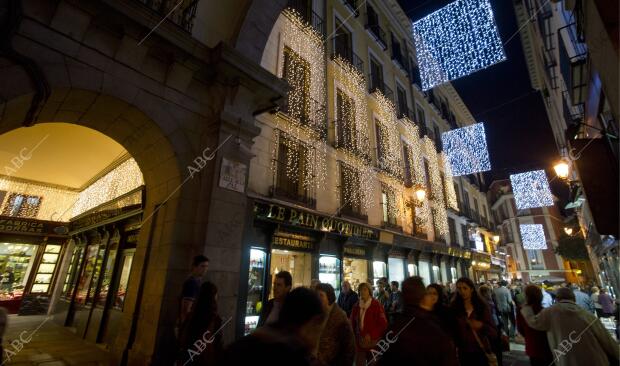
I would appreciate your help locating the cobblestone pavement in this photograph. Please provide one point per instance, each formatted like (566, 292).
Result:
(49, 344)
(516, 356)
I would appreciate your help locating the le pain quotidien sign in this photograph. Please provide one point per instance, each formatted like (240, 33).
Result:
(307, 220)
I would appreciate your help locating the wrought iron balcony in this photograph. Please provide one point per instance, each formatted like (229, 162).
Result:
(346, 210)
(313, 116)
(352, 5)
(376, 84)
(376, 31)
(181, 13)
(304, 9)
(346, 53)
(292, 195)
(358, 146)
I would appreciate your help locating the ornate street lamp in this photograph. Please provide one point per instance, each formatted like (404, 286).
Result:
(562, 169)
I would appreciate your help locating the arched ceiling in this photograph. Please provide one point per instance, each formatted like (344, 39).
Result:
(60, 154)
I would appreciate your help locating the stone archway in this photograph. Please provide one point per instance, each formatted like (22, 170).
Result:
(159, 160)
(256, 27)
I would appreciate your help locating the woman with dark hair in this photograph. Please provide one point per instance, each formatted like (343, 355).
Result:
(369, 323)
(474, 326)
(336, 346)
(536, 345)
(203, 325)
(435, 301)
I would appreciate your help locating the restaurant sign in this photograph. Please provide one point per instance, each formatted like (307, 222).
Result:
(307, 220)
(293, 241)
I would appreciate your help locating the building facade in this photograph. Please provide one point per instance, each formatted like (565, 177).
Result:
(571, 49)
(267, 135)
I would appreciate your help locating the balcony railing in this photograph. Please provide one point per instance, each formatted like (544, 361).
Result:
(346, 53)
(376, 84)
(352, 5)
(346, 210)
(303, 8)
(377, 32)
(313, 116)
(292, 195)
(398, 58)
(360, 146)
(405, 113)
(180, 13)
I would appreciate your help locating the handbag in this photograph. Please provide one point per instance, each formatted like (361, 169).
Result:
(491, 358)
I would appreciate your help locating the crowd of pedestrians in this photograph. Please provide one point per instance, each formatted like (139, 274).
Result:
(395, 323)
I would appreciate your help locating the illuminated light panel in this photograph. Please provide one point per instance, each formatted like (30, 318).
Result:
(456, 40)
(466, 150)
(531, 189)
(533, 236)
(451, 201)
(391, 159)
(440, 216)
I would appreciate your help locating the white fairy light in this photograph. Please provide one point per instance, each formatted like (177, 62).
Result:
(451, 201)
(390, 160)
(466, 149)
(440, 216)
(305, 117)
(531, 189)
(533, 236)
(456, 40)
(59, 204)
(416, 162)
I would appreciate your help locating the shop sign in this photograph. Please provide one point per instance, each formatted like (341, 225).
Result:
(356, 251)
(25, 226)
(312, 221)
(293, 241)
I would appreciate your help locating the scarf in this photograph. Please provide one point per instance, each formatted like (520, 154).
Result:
(363, 307)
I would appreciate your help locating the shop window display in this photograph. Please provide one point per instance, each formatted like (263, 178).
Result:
(355, 271)
(256, 280)
(299, 264)
(45, 272)
(396, 268)
(329, 271)
(16, 261)
(379, 269)
(121, 289)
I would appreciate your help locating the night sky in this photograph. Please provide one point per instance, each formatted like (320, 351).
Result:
(518, 131)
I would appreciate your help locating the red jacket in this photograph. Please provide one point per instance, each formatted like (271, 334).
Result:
(536, 344)
(375, 322)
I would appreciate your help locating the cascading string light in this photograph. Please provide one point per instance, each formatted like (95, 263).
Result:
(391, 158)
(58, 204)
(416, 162)
(451, 201)
(531, 189)
(466, 150)
(305, 119)
(533, 236)
(355, 147)
(440, 216)
(456, 40)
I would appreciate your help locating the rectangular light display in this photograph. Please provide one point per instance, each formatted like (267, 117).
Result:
(456, 40)
(531, 189)
(533, 236)
(466, 150)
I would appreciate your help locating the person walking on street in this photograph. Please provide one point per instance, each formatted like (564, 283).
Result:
(281, 287)
(536, 344)
(474, 325)
(435, 302)
(505, 306)
(347, 298)
(598, 308)
(582, 299)
(381, 294)
(369, 323)
(607, 303)
(420, 340)
(486, 293)
(191, 289)
(576, 336)
(203, 323)
(336, 346)
(290, 340)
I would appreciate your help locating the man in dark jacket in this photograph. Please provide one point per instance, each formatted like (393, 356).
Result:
(281, 287)
(288, 341)
(347, 298)
(415, 326)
